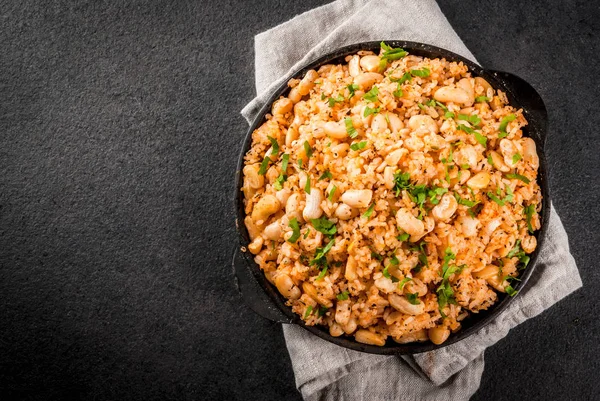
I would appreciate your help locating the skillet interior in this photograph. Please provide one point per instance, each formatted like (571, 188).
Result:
(520, 95)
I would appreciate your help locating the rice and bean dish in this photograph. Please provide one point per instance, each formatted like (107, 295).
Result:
(391, 196)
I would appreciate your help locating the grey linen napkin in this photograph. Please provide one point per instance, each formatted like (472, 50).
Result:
(324, 371)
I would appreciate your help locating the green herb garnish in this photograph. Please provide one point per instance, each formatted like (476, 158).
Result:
(413, 298)
(307, 185)
(371, 95)
(308, 311)
(331, 193)
(324, 226)
(326, 175)
(342, 296)
(264, 166)
(369, 211)
(352, 88)
(282, 176)
(350, 128)
(403, 282)
(529, 212)
(358, 145)
(296, 230)
(504, 124)
(482, 99)
(403, 237)
(369, 111)
(307, 149)
(322, 274)
(516, 157)
(333, 100)
(423, 72)
(518, 177)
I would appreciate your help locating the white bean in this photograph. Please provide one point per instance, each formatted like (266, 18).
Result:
(370, 63)
(345, 212)
(357, 198)
(313, 210)
(479, 180)
(353, 66)
(409, 223)
(366, 80)
(368, 337)
(445, 209)
(449, 94)
(401, 304)
(343, 312)
(266, 206)
(423, 122)
(286, 286)
(335, 130)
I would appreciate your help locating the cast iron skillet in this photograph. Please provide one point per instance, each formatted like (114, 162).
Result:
(264, 298)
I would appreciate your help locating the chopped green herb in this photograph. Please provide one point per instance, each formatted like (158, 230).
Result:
(482, 99)
(320, 255)
(307, 149)
(394, 260)
(510, 291)
(516, 157)
(403, 237)
(504, 124)
(406, 77)
(435, 194)
(323, 96)
(264, 166)
(398, 92)
(465, 202)
(463, 127)
(282, 176)
(444, 291)
(275, 146)
(473, 119)
(403, 282)
(300, 163)
(358, 145)
(369, 211)
(430, 103)
(495, 199)
(306, 234)
(529, 212)
(401, 181)
(322, 310)
(391, 53)
(520, 254)
(377, 256)
(326, 175)
(490, 160)
(509, 194)
(343, 296)
(371, 95)
(369, 111)
(449, 114)
(331, 193)
(423, 72)
(518, 177)
(307, 185)
(308, 311)
(322, 274)
(324, 226)
(413, 298)
(481, 139)
(421, 106)
(350, 128)
(296, 230)
(352, 88)
(386, 274)
(333, 100)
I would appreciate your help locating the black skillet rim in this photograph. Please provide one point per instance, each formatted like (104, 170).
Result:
(475, 322)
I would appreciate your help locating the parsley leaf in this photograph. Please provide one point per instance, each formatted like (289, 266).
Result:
(518, 177)
(324, 226)
(350, 128)
(510, 291)
(274, 144)
(403, 282)
(371, 95)
(398, 92)
(481, 139)
(282, 176)
(307, 185)
(322, 311)
(473, 119)
(435, 194)
(326, 175)
(413, 298)
(465, 202)
(296, 230)
(333, 100)
(516, 157)
(358, 145)
(529, 212)
(504, 124)
(307, 149)
(369, 111)
(481, 99)
(490, 160)
(423, 72)
(369, 211)
(495, 199)
(403, 237)
(264, 166)
(352, 88)
(406, 77)
(331, 193)
(343, 296)
(322, 274)
(320, 255)
(386, 274)
(308, 311)
(392, 54)
(520, 254)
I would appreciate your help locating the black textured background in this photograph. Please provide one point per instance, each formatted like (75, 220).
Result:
(119, 132)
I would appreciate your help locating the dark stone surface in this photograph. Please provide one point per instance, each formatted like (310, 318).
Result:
(120, 131)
